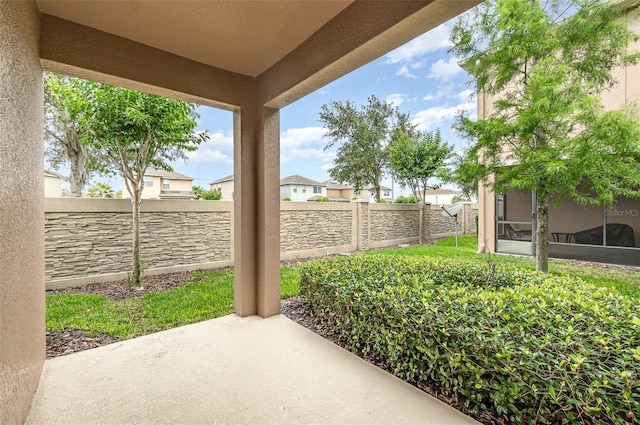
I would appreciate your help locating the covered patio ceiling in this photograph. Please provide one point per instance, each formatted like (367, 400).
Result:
(289, 48)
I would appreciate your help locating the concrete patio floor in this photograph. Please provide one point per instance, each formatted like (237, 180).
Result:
(229, 371)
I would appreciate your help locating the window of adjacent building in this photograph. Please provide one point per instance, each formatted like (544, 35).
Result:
(317, 189)
(165, 184)
(304, 190)
(148, 181)
(295, 189)
(386, 193)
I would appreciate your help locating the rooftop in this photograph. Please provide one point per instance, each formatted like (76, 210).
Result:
(166, 174)
(296, 179)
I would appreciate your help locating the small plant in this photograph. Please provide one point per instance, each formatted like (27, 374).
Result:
(322, 199)
(382, 201)
(286, 199)
(211, 195)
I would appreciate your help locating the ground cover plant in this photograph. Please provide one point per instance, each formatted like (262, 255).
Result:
(531, 347)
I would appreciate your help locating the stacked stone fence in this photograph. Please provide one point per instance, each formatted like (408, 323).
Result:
(89, 240)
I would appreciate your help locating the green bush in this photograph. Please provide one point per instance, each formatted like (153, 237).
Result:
(286, 199)
(322, 199)
(407, 199)
(211, 195)
(531, 347)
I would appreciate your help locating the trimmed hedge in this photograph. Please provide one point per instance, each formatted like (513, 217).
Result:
(531, 347)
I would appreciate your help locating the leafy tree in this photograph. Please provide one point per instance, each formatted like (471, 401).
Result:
(362, 135)
(63, 137)
(100, 190)
(197, 191)
(416, 157)
(133, 131)
(212, 195)
(548, 132)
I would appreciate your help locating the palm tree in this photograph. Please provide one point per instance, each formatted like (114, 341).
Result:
(100, 190)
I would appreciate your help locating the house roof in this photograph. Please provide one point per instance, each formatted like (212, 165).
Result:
(296, 179)
(222, 180)
(48, 173)
(166, 174)
(382, 187)
(334, 185)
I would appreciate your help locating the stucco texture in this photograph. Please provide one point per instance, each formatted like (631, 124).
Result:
(22, 344)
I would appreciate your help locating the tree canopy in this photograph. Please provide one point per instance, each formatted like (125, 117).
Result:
(63, 136)
(544, 67)
(415, 157)
(132, 131)
(362, 134)
(100, 190)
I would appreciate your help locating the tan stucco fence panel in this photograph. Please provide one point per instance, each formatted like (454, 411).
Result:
(89, 240)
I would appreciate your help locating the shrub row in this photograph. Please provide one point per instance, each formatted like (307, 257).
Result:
(532, 348)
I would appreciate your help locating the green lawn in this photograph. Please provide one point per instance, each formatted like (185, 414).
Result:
(210, 293)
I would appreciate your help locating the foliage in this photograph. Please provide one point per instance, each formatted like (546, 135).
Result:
(286, 199)
(63, 135)
(211, 195)
(460, 198)
(362, 134)
(531, 347)
(100, 190)
(322, 199)
(355, 198)
(411, 199)
(546, 66)
(132, 131)
(197, 192)
(383, 201)
(415, 157)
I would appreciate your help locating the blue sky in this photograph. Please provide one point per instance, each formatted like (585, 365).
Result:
(420, 77)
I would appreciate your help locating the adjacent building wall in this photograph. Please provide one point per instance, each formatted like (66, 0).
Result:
(89, 240)
(22, 339)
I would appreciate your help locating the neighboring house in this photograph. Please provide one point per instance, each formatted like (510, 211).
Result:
(337, 192)
(298, 188)
(225, 186)
(52, 184)
(590, 233)
(440, 196)
(368, 194)
(160, 184)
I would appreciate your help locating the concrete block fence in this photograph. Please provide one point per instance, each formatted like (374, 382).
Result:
(89, 240)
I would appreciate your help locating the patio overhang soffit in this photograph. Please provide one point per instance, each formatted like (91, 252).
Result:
(228, 53)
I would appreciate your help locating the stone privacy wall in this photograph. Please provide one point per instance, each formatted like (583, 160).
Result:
(89, 240)
(92, 237)
(308, 226)
(395, 222)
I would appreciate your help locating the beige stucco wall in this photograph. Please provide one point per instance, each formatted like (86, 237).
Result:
(22, 343)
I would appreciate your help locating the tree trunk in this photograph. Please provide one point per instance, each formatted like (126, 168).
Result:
(542, 233)
(75, 174)
(135, 267)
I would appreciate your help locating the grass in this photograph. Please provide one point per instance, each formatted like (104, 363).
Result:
(209, 294)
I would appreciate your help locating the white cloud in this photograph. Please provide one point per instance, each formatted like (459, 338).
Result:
(303, 143)
(217, 150)
(429, 97)
(465, 95)
(404, 72)
(431, 41)
(445, 70)
(431, 118)
(396, 99)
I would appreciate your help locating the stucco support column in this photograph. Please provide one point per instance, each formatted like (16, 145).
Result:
(22, 322)
(257, 211)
